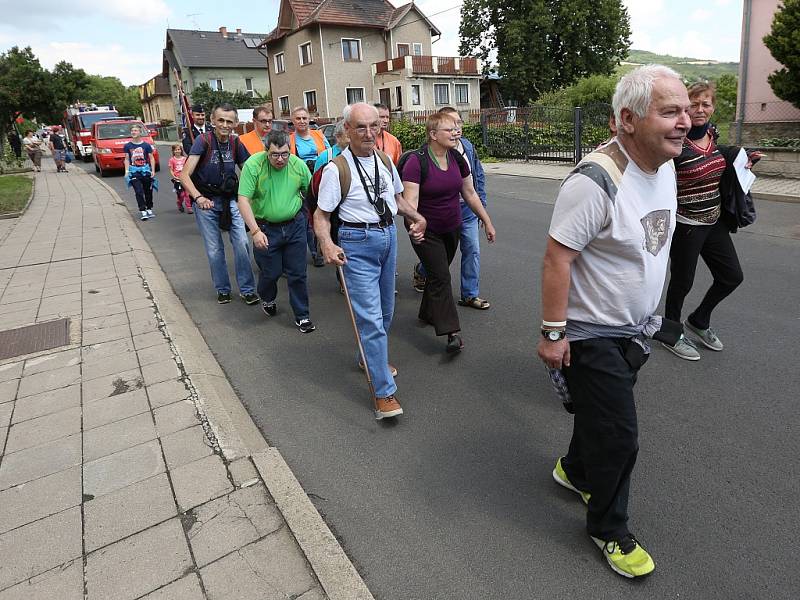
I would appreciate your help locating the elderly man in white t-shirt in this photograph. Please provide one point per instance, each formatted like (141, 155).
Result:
(603, 273)
(367, 240)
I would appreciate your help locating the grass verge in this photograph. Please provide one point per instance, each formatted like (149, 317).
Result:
(14, 192)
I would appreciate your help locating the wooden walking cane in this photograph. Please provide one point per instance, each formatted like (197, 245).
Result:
(355, 328)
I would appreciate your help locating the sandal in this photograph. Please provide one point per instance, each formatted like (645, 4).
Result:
(475, 302)
(454, 343)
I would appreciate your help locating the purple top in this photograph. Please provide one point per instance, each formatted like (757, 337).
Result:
(439, 196)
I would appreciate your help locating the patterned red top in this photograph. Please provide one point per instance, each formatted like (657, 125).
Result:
(699, 172)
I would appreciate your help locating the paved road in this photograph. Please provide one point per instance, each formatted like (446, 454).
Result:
(455, 500)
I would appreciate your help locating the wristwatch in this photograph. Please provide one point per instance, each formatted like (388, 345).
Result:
(554, 335)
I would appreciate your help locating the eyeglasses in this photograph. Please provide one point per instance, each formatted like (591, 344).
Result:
(449, 129)
(374, 128)
(277, 155)
(265, 121)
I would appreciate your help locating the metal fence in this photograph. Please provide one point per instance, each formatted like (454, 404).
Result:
(545, 132)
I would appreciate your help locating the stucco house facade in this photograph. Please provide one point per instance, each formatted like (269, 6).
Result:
(224, 60)
(325, 54)
(760, 114)
(156, 100)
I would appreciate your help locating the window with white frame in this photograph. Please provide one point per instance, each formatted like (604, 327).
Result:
(283, 105)
(417, 49)
(351, 50)
(461, 92)
(416, 96)
(354, 95)
(280, 66)
(305, 53)
(248, 84)
(216, 85)
(310, 99)
(441, 93)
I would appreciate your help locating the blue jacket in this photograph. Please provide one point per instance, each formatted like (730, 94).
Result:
(478, 179)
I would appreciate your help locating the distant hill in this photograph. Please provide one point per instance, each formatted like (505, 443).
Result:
(690, 68)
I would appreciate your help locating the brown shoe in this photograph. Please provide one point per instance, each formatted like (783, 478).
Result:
(387, 407)
(392, 368)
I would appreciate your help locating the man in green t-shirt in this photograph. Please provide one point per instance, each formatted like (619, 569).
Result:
(271, 190)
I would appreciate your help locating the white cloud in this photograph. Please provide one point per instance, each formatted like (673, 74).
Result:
(699, 15)
(447, 21)
(693, 44)
(147, 12)
(132, 68)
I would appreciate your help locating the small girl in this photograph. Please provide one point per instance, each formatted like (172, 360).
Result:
(176, 164)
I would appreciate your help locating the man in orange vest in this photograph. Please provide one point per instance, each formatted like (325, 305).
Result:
(308, 144)
(254, 140)
(385, 141)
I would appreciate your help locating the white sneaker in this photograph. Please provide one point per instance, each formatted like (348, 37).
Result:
(144, 216)
(150, 213)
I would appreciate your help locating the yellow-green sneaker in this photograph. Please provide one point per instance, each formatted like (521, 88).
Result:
(561, 479)
(626, 556)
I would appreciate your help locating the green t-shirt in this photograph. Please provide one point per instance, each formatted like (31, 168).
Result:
(274, 194)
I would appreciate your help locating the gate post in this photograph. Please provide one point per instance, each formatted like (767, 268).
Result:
(577, 119)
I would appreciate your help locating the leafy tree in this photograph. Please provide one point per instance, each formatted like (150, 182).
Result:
(67, 84)
(784, 45)
(543, 45)
(110, 90)
(23, 87)
(203, 94)
(725, 103)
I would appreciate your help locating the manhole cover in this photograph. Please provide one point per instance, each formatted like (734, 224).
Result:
(34, 338)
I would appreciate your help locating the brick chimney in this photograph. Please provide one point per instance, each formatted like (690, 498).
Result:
(223, 31)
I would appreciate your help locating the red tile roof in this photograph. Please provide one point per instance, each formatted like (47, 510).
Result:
(358, 13)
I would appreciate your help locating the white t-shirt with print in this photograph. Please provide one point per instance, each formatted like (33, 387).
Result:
(622, 230)
(356, 208)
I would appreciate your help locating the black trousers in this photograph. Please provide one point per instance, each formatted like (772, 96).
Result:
(143, 188)
(604, 442)
(714, 244)
(438, 306)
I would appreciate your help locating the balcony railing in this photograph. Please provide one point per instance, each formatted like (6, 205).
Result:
(430, 65)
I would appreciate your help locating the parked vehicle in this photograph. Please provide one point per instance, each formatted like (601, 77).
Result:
(110, 137)
(283, 125)
(153, 129)
(327, 131)
(78, 122)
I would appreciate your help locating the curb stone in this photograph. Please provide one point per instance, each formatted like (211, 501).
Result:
(235, 432)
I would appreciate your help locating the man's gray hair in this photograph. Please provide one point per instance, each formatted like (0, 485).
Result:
(347, 110)
(338, 129)
(277, 138)
(635, 90)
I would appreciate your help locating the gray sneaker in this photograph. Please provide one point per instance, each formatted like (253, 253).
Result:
(684, 348)
(707, 337)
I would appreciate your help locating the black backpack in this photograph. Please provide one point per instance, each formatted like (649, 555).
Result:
(424, 164)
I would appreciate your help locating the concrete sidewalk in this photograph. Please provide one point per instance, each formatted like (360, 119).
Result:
(777, 189)
(128, 467)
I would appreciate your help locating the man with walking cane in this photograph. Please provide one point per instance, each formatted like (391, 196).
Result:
(364, 188)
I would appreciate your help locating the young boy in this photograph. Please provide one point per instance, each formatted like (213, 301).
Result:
(140, 165)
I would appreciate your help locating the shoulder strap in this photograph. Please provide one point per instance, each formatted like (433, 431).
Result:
(424, 163)
(345, 176)
(460, 160)
(387, 162)
(207, 154)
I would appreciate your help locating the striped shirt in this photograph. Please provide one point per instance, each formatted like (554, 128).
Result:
(699, 172)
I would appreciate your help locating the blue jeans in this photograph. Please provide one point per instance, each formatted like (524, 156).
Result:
(208, 224)
(369, 274)
(470, 243)
(286, 253)
(470, 258)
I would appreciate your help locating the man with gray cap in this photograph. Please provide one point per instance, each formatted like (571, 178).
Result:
(602, 277)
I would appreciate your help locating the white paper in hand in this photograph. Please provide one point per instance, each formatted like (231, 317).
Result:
(745, 175)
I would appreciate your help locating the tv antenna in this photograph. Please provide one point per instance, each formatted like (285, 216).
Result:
(192, 17)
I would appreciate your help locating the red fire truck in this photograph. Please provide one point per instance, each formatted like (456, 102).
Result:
(78, 121)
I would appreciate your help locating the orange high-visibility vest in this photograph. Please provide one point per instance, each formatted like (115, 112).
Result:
(316, 135)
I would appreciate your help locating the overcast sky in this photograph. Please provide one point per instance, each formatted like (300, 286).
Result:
(104, 37)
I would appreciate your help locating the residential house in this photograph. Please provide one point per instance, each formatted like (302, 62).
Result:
(760, 114)
(224, 60)
(325, 54)
(156, 100)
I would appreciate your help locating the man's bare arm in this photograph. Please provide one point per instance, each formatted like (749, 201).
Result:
(555, 294)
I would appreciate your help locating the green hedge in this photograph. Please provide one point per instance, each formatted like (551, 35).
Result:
(412, 135)
(779, 142)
